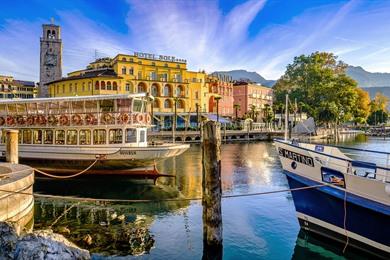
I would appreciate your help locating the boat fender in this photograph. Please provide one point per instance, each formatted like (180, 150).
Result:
(2, 120)
(10, 120)
(52, 120)
(387, 189)
(140, 118)
(30, 120)
(64, 120)
(124, 118)
(89, 119)
(76, 119)
(148, 119)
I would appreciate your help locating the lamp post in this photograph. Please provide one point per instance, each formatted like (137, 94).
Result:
(175, 99)
(217, 98)
(197, 116)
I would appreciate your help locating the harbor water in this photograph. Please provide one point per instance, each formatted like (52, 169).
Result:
(254, 227)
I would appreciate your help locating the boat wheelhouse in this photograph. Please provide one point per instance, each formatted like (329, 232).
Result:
(68, 134)
(343, 193)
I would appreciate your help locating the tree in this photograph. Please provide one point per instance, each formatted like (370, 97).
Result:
(379, 102)
(377, 117)
(321, 87)
(362, 109)
(268, 114)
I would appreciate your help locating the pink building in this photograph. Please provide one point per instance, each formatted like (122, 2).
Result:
(247, 94)
(222, 86)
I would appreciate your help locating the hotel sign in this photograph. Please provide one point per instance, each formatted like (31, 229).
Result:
(150, 56)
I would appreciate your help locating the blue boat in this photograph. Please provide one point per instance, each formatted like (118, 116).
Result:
(340, 193)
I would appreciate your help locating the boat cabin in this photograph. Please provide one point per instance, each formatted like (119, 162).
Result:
(79, 121)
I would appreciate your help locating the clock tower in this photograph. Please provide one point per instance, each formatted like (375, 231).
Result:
(51, 57)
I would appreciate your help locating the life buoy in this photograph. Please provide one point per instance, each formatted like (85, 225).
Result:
(76, 119)
(64, 120)
(20, 120)
(140, 118)
(30, 120)
(42, 120)
(2, 120)
(52, 119)
(106, 118)
(90, 119)
(148, 119)
(123, 118)
(10, 120)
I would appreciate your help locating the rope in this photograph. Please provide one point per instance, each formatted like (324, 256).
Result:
(69, 176)
(162, 200)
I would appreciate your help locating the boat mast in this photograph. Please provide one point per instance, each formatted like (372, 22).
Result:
(286, 120)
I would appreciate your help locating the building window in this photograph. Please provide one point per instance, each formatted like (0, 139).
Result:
(75, 87)
(166, 65)
(83, 89)
(155, 90)
(153, 75)
(103, 85)
(167, 90)
(124, 59)
(97, 85)
(153, 64)
(89, 86)
(48, 137)
(58, 89)
(27, 137)
(114, 86)
(99, 136)
(108, 85)
(178, 66)
(71, 137)
(115, 136)
(140, 62)
(128, 87)
(167, 103)
(85, 137)
(124, 70)
(131, 71)
(63, 88)
(131, 60)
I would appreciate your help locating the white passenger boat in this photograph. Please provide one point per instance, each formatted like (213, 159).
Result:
(351, 198)
(65, 135)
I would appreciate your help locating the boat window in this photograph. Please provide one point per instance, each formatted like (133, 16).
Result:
(60, 137)
(3, 110)
(71, 137)
(20, 136)
(21, 108)
(31, 108)
(332, 176)
(48, 137)
(107, 105)
(53, 108)
(115, 136)
(78, 106)
(41, 108)
(64, 107)
(85, 137)
(37, 136)
(27, 136)
(131, 136)
(142, 136)
(99, 136)
(12, 109)
(137, 105)
(91, 106)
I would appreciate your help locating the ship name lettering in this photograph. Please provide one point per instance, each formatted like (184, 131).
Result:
(307, 160)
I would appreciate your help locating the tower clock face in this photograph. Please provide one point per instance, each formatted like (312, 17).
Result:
(50, 59)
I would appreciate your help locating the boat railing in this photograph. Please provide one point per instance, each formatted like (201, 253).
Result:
(75, 119)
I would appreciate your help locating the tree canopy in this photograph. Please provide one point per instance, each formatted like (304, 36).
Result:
(321, 87)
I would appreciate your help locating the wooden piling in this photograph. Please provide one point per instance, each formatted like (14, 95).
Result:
(212, 191)
(12, 149)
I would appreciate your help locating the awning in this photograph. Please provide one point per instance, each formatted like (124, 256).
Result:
(213, 117)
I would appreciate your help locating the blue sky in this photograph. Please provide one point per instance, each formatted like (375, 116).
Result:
(256, 35)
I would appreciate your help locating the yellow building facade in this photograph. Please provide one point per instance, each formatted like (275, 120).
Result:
(11, 88)
(164, 77)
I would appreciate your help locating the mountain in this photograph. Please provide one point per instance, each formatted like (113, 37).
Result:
(244, 75)
(367, 79)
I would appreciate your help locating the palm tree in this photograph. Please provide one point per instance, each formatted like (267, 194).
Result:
(252, 111)
(236, 107)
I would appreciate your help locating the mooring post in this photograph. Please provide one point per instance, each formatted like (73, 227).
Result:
(12, 150)
(212, 191)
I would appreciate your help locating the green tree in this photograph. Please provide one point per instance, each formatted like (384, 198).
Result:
(379, 102)
(321, 87)
(268, 114)
(362, 109)
(236, 108)
(377, 117)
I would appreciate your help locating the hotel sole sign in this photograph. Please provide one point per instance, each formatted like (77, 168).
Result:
(150, 56)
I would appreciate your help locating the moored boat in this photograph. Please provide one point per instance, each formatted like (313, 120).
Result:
(66, 135)
(350, 201)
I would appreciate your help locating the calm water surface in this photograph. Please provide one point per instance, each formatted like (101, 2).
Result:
(258, 227)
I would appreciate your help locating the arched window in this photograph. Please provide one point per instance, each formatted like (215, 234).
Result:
(167, 90)
(167, 103)
(155, 90)
(48, 34)
(97, 85)
(141, 87)
(180, 104)
(124, 70)
(156, 103)
(108, 85)
(123, 59)
(131, 71)
(103, 85)
(114, 86)
(180, 91)
(53, 34)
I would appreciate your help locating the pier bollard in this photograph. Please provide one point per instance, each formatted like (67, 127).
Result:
(212, 191)
(12, 149)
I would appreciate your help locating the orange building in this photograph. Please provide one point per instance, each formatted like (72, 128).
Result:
(221, 86)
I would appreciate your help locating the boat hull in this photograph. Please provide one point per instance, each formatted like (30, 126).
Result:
(112, 160)
(321, 211)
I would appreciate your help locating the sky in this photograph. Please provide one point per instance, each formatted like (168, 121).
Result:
(255, 35)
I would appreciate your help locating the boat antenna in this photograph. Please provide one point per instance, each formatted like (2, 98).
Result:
(286, 120)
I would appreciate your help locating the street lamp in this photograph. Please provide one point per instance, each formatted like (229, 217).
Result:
(175, 99)
(217, 98)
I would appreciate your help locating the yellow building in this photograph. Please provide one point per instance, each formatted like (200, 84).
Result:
(12, 88)
(164, 77)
